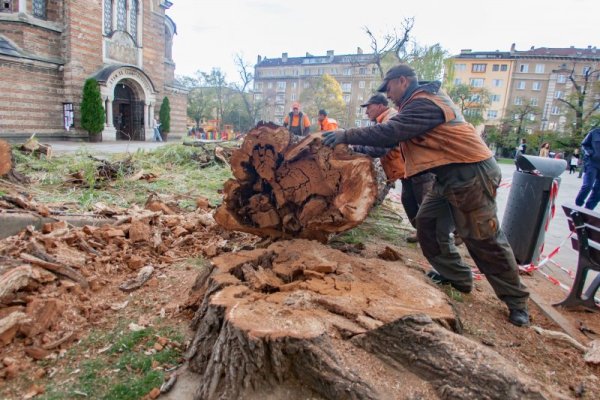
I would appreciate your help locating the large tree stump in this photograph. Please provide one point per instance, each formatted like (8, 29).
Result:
(7, 164)
(299, 313)
(285, 189)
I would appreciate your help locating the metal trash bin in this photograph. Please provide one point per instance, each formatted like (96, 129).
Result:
(528, 205)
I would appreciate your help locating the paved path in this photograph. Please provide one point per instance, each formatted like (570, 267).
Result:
(104, 147)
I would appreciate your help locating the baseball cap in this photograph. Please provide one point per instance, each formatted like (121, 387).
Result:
(396, 72)
(322, 112)
(376, 99)
(296, 105)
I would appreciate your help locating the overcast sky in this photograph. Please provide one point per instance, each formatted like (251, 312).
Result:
(211, 32)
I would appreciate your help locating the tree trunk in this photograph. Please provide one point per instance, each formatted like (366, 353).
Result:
(285, 188)
(300, 313)
(7, 164)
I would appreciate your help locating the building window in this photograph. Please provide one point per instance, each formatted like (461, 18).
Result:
(346, 87)
(533, 101)
(518, 101)
(107, 17)
(531, 117)
(280, 85)
(258, 86)
(536, 86)
(361, 84)
(460, 67)
(347, 98)
(586, 70)
(558, 94)
(362, 71)
(475, 98)
(347, 71)
(555, 110)
(524, 68)
(521, 85)
(333, 71)
(68, 115)
(270, 85)
(280, 110)
(39, 8)
(504, 67)
(492, 114)
(457, 81)
(133, 21)
(294, 97)
(539, 68)
(257, 97)
(497, 82)
(294, 85)
(121, 15)
(561, 79)
(495, 97)
(280, 98)
(306, 85)
(476, 82)
(496, 67)
(478, 67)
(357, 122)
(6, 6)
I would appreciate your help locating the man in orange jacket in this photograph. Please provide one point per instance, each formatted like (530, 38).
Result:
(326, 123)
(297, 122)
(434, 136)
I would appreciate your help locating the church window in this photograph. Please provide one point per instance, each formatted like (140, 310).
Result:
(39, 8)
(108, 4)
(133, 19)
(6, 6)
(121, 15)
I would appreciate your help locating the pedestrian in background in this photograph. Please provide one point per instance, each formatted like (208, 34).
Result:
(589, 194)
(545, 150)
(326, 123)
(574, 162)
(155, 128)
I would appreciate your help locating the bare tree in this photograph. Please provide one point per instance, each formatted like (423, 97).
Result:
(390, 44)
(246, 78)
(583, 100)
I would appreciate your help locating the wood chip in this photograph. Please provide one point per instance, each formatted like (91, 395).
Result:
(142, 277)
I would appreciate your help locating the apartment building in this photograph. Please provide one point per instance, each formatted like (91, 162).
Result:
(279, 82)
(489, 70)
(535, 77)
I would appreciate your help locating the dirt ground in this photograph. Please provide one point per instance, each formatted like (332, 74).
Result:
(38, 355)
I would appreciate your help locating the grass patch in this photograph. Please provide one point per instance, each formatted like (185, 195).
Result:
(381, 225)
(505, 161)
(179, 175)
(128, 370)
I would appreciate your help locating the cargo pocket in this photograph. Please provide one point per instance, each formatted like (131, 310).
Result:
(474, 211)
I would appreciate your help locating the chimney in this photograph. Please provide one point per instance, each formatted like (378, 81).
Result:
(329, 53)
(359, 50)
(259, 59)
(465, 51)
(284, 57)
(512, 48)
(532, 48)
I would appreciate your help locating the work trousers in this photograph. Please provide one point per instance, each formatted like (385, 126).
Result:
(591, 183)
(414, 190)
(464, 196)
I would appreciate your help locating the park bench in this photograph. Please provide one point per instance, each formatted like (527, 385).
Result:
(586, 224)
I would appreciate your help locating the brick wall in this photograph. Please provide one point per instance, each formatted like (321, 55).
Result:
(30, 99)
(178, 102)
(33, 39)
(154, 47)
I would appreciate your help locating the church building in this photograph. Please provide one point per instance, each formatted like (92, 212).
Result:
(48, 48)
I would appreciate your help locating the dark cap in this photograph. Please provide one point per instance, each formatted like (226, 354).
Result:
(396, 72)
(376, 99)
(322, 112)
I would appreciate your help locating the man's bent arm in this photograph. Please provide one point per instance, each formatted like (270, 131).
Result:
(417, 118)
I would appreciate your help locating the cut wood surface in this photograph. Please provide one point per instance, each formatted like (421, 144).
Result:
(5, 158)
(302, 312)
(287, 187)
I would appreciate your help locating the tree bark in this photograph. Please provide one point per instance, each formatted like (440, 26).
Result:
(285, 187)
(339, 326)
(7, 164)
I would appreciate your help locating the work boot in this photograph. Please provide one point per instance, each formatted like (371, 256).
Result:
(519, 317)
(412, 238)
(439, 279)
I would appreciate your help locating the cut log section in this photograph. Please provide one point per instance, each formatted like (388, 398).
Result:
(285, 187)
(300, 313)
(7, 164)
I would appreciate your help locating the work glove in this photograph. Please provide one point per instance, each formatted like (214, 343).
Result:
(333, 138)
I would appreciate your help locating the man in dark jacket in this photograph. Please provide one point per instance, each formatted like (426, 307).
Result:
(434, 136)
(591, 170)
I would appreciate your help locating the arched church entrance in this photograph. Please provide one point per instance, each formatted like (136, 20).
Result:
(128, 112)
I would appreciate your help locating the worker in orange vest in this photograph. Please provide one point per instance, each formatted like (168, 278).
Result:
(326, 123)
(297, 122)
